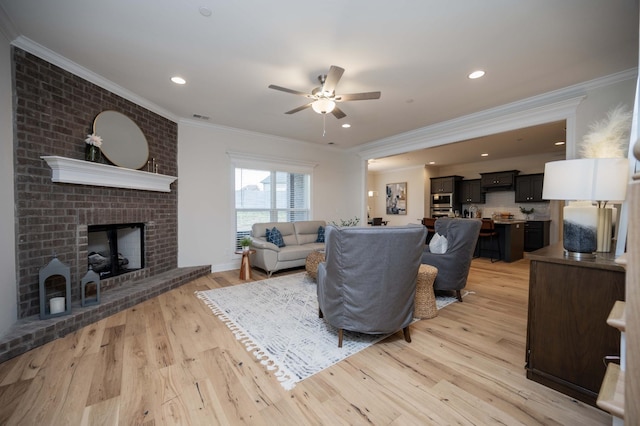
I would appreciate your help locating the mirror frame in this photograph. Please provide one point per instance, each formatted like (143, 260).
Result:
(123, 144)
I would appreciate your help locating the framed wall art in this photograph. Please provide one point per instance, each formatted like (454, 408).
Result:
(397, 198)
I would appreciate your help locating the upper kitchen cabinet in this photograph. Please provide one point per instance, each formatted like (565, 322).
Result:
(498, 181)
(529, 188)
(444, 185)
(471, 192)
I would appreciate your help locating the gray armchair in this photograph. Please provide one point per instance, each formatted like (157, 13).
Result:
(367, 283)
(453, 265)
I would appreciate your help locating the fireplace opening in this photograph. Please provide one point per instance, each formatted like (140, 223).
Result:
(115, 249)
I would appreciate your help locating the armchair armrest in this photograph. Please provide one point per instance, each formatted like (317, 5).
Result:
(262, 244)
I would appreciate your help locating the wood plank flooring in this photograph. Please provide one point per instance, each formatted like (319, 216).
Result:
(170, 361)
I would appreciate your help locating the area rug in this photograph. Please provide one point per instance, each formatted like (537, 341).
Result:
(277, 320)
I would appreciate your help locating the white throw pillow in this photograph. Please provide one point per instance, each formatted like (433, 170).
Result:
(438, 244)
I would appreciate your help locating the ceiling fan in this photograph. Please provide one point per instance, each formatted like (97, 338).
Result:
(324, 97)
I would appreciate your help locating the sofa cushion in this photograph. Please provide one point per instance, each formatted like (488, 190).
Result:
(275, 237)
(307, 230)
(320, 238)
(258, 230)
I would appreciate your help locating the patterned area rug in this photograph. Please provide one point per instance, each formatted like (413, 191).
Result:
(277, 319)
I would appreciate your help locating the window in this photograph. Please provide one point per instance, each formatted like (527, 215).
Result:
(269, 196)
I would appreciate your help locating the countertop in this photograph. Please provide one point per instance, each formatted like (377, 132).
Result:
(508, 221)
(555, 254)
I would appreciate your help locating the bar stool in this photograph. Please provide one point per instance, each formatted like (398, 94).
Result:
(430, 224)
(488, 230)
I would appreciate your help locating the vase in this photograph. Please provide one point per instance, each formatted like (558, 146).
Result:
(93, 154)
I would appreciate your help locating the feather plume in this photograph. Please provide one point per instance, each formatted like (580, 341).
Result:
(608, 138)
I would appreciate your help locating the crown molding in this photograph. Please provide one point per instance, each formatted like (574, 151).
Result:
(540, 109)
(54, 58)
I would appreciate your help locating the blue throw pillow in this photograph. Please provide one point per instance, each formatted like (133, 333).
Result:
(320, 235)
(275, 237)
(268, 235)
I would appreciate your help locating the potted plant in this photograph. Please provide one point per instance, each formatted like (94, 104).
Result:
(526, 212)
(245, 242)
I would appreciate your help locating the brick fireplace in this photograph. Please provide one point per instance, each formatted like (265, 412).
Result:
(54, 112)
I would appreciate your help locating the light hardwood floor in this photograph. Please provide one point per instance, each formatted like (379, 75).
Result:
(170, 361)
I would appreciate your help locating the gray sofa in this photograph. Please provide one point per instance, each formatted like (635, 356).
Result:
(453, 265)
(299, 238)
(367, 283)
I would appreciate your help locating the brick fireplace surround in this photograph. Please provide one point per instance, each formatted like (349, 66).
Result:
(54, 112)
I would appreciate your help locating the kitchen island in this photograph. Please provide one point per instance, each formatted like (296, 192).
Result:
(510, 237)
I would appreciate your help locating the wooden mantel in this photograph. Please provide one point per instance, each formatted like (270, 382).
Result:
(80, 172)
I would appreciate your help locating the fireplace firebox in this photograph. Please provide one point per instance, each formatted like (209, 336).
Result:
(115, 249)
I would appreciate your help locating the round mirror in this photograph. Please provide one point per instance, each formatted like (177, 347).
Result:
(123, 143)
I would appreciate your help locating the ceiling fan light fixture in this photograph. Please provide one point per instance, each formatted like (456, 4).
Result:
(323, 106)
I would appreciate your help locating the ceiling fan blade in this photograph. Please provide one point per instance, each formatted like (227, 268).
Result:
(300, 108)
(337, 113)
(358, 96)
(284, 89)
(333, 77)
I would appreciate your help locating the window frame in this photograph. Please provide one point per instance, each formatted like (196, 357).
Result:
(273, 164)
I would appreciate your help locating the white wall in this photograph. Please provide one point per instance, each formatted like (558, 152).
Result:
(8, 301)
(206, 224)
(598, 103)
(415, 178)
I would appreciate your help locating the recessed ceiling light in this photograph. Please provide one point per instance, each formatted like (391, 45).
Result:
(346, 125)
(476, 74)
(559, 143)
(432, 162)
(484, 154)
(204, 11)
(178, 80)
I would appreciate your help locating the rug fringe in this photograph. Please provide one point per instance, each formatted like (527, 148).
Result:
(286, 379)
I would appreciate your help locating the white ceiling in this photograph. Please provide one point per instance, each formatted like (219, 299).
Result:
(417, 53)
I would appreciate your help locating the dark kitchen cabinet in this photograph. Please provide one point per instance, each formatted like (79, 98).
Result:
(471, 192)
(444, 185)
(536, 234)
(567, 332)
(498, 180)
(529, 188)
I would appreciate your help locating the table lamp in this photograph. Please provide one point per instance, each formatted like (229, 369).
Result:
(586, 227)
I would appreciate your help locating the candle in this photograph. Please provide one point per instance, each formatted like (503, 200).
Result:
(56, 305)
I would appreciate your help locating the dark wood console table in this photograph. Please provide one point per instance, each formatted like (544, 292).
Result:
(567, 332)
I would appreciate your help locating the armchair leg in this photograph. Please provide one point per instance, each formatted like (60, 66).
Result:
(407, 334)
(340, 338)
(459, 295)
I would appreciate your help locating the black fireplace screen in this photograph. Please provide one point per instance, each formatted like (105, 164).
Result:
(115, 249)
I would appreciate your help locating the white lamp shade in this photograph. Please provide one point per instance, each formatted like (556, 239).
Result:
(595, 179)
(323, 106)
(611, 178)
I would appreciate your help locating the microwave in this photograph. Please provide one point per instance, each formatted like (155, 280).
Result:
(441, 200)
